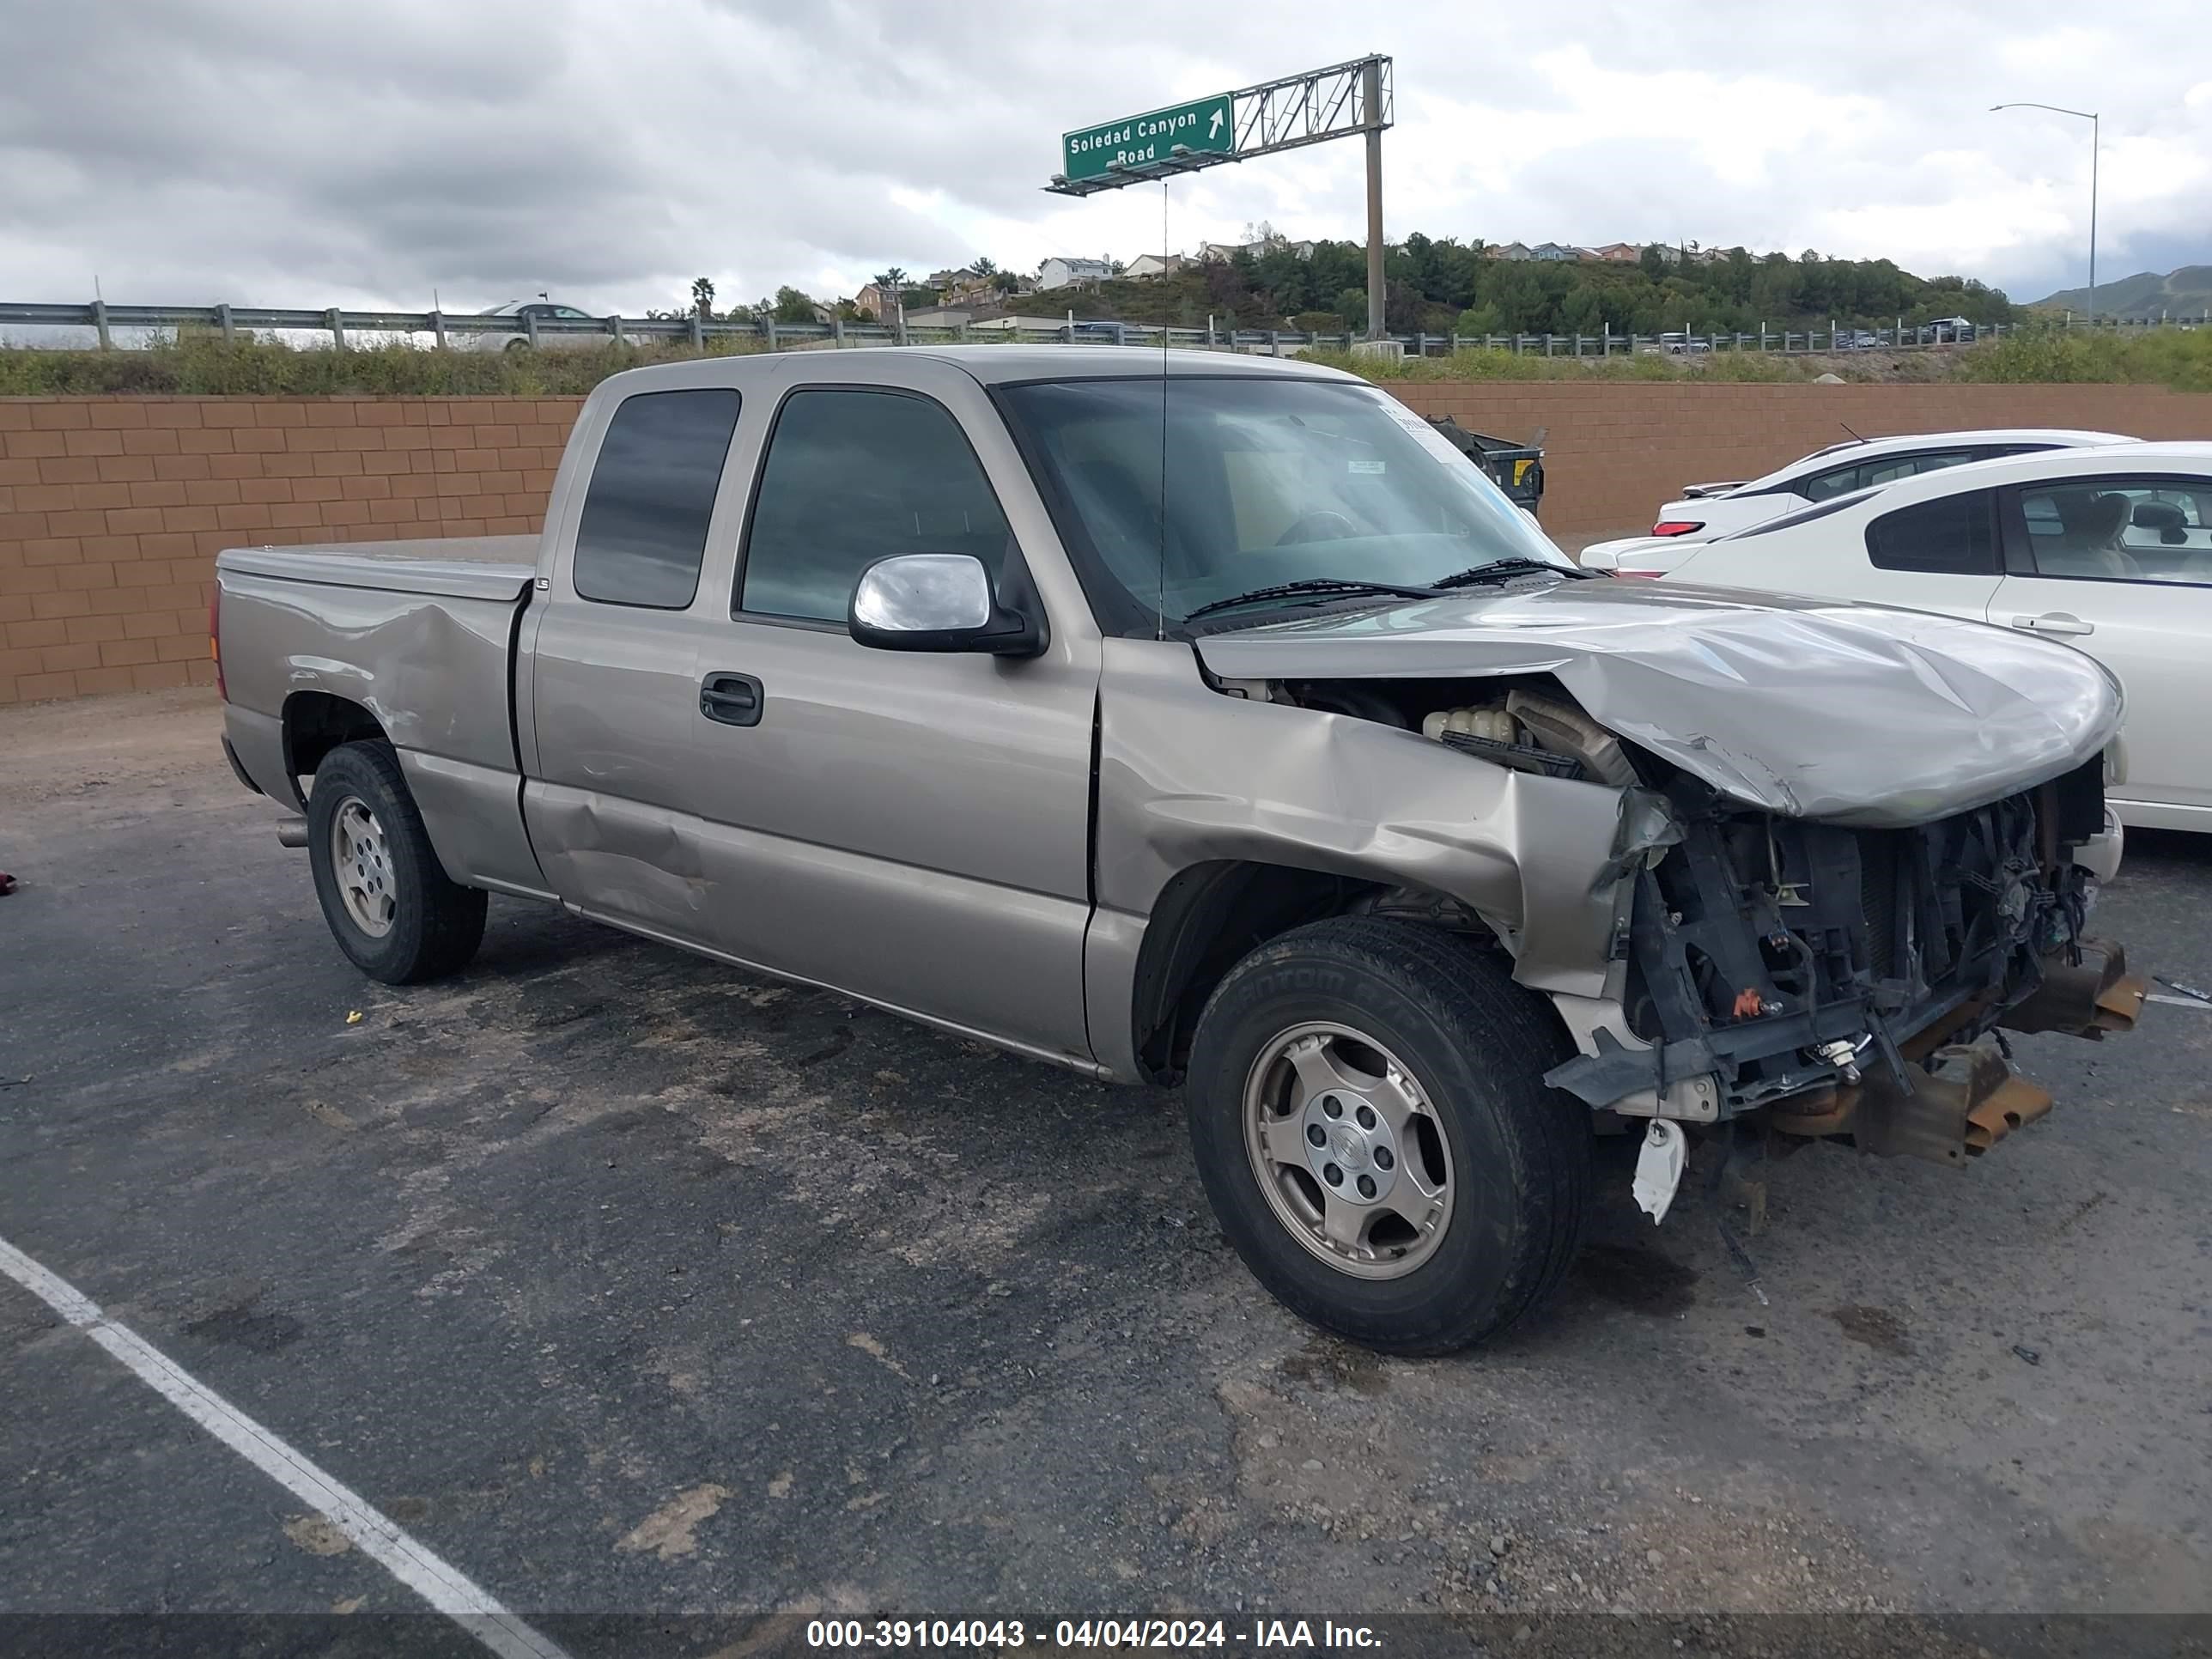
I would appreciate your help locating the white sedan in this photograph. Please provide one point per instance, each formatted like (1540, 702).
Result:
(2107, 549)
(1706, 512)
(561, 326)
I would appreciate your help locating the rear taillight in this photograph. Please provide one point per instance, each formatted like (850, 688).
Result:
(215, 639)
(1675, 526)
(1653, 576)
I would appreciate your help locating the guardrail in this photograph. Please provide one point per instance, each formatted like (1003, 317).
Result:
(451, 330)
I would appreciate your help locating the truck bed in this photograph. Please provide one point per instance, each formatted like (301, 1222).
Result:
(460, 566)
(419, 633)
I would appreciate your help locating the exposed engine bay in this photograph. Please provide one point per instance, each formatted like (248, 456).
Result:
(1827, 979)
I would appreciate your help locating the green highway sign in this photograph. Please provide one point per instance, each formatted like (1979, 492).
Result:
(1203, 126)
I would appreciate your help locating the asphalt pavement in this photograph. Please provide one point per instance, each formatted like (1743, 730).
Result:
(642, 1290)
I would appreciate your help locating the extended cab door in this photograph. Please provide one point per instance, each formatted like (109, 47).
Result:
(2120, 565)
(610, 647)
(911, 828)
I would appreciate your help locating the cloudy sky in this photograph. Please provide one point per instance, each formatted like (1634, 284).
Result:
(309, 153)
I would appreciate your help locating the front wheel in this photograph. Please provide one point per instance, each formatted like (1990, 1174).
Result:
(389, 902)
(1370, 1121)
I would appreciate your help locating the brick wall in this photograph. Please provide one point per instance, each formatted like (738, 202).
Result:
(111, 510)
(1615, 451)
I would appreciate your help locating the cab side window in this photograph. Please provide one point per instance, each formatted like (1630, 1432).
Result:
(854, 476)
(1953, 535)
(643, 532)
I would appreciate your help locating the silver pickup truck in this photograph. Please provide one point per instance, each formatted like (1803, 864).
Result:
(1211, 718)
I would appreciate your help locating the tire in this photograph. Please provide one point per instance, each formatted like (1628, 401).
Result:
(1510, 1159)
(516, 345)
(430, 924)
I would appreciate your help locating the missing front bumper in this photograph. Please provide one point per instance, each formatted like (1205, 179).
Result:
(1969, 1101)
(2085, 999)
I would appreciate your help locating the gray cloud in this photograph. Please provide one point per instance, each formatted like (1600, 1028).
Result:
(288, 154)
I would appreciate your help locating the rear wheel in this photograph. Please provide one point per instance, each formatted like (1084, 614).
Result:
(1370, 1121)
(389, 902)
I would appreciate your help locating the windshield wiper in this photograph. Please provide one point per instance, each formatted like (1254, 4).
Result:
(1321, 584)
(1516, 566)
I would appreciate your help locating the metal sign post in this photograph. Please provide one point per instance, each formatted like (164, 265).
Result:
(1258, 120)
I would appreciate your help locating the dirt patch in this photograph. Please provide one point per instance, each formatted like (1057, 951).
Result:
(670, 1531)
(240, 1325)
(1878, 1328)
(1642, 1281)
(1339, 1364)
(316, 1536)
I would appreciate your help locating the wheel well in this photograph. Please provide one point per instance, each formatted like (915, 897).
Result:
(1210, 917)
(316, 722)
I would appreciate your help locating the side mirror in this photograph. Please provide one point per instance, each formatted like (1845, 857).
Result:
(938, 602)
(2169, 520)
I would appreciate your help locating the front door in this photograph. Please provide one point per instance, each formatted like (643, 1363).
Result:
(2120, 565)
(911, 828)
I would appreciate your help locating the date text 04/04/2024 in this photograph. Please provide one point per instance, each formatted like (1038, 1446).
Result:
(1005, 1635)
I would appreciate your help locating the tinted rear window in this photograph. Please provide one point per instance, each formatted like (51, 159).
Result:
(1954, 535)
(643, 533)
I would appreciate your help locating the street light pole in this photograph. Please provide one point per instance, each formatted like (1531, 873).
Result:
(2091, 117)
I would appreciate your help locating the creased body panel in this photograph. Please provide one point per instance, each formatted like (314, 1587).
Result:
(1188, 775)
(474, 815)
(1850, 714)
(432, 668)
(1004, 962)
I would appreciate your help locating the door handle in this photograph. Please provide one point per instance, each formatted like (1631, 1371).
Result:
(732, 698)
(2054, 622)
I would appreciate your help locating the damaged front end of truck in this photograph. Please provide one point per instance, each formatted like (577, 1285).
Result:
(1850, 847)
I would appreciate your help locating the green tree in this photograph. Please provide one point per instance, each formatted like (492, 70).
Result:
(1583, 312)
(702, 298)
(1480, 321)
(985, 266)
(1652, 262)
(792, 307)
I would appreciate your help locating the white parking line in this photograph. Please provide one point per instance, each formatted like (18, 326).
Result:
(376, 1534)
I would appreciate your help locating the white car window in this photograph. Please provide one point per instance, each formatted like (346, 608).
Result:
(2121, 529)
(1887, 468)
(1953, 535)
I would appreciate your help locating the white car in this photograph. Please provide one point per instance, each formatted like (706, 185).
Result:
(546, 312)
(2108, 548)
(1704, 512)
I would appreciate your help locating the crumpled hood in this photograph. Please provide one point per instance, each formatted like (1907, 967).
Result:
(1852, 714)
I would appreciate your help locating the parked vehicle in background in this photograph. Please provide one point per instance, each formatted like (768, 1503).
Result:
(1705, 511)
(1223, 724)
(1945, 329)
(2108, 548)
(523, 310)
(1857, 339)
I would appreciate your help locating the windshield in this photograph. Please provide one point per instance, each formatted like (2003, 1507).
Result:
(1268, 481)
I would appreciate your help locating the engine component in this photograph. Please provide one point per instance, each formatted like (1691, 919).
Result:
(1565, 730)
(1488, 720)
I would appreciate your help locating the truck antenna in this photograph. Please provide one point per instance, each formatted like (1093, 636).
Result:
(1160, 600)
(1854, 436)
